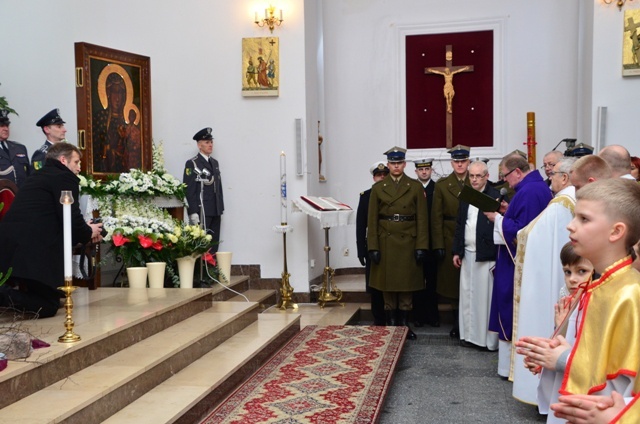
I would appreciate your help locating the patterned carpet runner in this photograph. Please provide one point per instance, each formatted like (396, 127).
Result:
(334, 374)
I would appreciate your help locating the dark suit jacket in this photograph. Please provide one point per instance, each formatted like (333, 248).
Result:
(31, 233)
(17, 157)
(485, 248)
(212, 194)
(361, 223)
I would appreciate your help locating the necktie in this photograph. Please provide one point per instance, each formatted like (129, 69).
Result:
(5, 148)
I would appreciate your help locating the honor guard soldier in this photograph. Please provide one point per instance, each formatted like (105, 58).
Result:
(14, 159)
(378, 171)
(204, 187)
(425, 302)
(398, 239)
(53, 128)
(443, 227)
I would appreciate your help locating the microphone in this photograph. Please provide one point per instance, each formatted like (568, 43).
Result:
(503, 194)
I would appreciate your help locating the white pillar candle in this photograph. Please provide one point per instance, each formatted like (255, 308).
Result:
(66, 198)
(283, 189)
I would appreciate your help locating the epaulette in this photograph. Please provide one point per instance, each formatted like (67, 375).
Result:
(44, 148)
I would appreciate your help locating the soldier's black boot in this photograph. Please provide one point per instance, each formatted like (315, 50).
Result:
(455, 331)
(391, 317)
(403, 321)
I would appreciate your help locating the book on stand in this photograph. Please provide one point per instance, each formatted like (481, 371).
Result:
(326, 203)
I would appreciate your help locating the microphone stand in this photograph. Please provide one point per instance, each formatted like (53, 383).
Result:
(203, 224)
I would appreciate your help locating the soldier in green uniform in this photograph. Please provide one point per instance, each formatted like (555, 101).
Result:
(443, 227)
(398, 239)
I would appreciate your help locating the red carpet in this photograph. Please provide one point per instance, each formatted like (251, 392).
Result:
(323, 375)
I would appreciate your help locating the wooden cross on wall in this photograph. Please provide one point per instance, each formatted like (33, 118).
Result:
(448, 71)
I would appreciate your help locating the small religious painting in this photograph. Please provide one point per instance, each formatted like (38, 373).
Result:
(260, 67)
(631, 43)
(114, 110)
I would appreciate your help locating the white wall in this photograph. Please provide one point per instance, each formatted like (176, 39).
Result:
(339, 64)
(196, 71)
(361, 45)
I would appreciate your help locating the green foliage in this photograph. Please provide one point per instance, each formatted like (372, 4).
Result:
(4, 104)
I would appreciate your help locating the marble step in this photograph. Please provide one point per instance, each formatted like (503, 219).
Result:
(265, 298)
(107, 320)
(98, 391)
(189, 395)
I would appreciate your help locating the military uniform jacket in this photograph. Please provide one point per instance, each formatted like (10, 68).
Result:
(18, 159)
(31, 233)
(38, 158)
(397, 241)
(212, 194)
(443, 228)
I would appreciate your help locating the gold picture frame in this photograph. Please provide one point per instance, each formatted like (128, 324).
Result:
(631, 43)
(113, 93)
(261, 67)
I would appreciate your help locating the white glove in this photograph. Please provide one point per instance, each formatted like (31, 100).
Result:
(194, 219)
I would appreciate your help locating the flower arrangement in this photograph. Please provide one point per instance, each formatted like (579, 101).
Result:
(138, 183)
(189, 240)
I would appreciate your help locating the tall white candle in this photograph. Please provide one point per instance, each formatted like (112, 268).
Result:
(66, 198)
(283, 189)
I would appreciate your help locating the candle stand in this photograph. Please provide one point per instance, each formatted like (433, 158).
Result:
(69, 336)
(328, 292)
(286, 290)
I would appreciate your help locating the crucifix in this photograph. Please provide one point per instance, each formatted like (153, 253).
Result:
(448, 71)
(632, 28)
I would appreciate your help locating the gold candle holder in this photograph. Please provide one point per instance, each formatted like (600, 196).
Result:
(329, 292)
(285, 288)
(69, 336)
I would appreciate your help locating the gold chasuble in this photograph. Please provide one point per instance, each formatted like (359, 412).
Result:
(608, 341)
(630, 414)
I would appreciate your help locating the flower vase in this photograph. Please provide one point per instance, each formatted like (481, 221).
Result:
(137, 276)
(224, 263)
(186, 266)
(156, 274)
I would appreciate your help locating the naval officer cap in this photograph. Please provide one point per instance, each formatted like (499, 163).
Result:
(4, 117)
(423, 163)
(395, 154)
(579, 150)
(203, 134)
(459, 153)
(377, 168)
(51, 118)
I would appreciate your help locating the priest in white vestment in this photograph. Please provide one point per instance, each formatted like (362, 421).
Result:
(475, 254)
(539, 276)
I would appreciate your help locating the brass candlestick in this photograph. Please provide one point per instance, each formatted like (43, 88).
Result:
(69, 336)
(285, 288)
(329, 292)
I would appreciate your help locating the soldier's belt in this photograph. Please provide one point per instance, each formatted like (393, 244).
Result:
(397, 217)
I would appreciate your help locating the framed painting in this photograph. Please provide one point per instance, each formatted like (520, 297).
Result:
(631, 43)
(113, 92)
(260, 67)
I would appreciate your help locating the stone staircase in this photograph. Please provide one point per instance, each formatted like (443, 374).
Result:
(146, 355)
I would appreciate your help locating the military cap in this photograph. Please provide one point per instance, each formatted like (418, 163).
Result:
(203, 134)
(51, 118)
(423, 163)
(4, 117)
(579, 150)
(378, 167)
(395, 154)
(459, 152)
(519, 153)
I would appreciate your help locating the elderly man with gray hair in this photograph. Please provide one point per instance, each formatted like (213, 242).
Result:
(539, 276)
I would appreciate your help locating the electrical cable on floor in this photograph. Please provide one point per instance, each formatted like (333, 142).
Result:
(206, 267)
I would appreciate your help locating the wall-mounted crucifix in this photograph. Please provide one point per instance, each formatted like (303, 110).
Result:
(448, 71)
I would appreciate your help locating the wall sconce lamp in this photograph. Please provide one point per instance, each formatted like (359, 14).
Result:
(270, 19)
(619, 3)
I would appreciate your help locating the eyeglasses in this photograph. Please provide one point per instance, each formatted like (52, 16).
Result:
(548, 165)
(508, 173)
(552, 173)
(476, 176)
